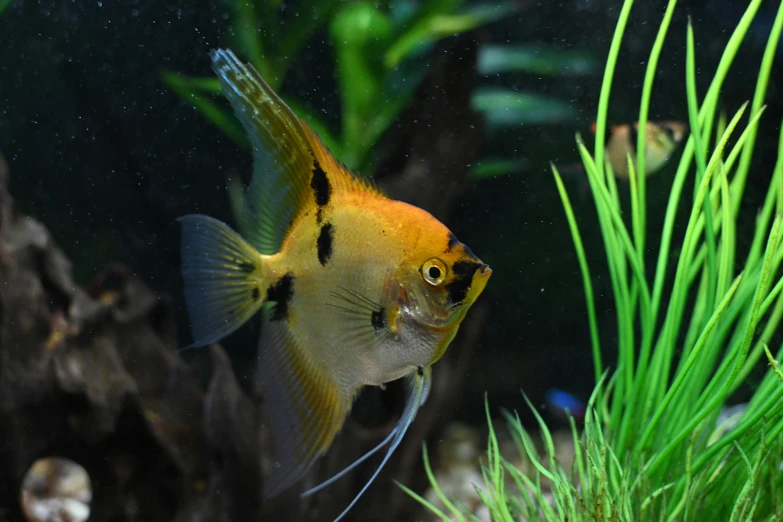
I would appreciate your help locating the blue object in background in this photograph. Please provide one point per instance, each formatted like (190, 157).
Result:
(563, 403)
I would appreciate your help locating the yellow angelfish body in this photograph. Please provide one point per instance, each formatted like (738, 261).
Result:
(360, 289)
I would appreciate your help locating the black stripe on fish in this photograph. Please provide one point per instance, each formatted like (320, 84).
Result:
(608, 133)
(463, 277)
(453, 241)
(633, 134)
(281, 293)
(255, 293)
(324, 243)
(246, 267)
(668, 130)
(378, 319)
(469, 252)
(320, 185)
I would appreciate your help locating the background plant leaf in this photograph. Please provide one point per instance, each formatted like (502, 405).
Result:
(298, 26)
(497, 59)
(494, 167)
(396, 93)
(503, 106)
(192, 91)
(435, 20)
(250, 37)
(357, 31)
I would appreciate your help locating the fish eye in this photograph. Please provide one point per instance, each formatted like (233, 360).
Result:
(434, 271)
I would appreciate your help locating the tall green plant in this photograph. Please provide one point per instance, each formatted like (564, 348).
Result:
(380, 51)
(651, 449)
(381, 55)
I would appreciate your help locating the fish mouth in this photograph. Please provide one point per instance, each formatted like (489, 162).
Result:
(479, 282)
(470, 278)
(483, 271)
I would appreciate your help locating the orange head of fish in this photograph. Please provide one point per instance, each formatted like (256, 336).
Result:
(440, 276)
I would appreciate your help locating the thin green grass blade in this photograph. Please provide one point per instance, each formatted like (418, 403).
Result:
(710, 400)
(740, 178)
(616, 259)
(683, 375)
(678, 298)
(606, 86)
(771, 203)
(701, 167)
(708, 107)
(586, 277)
(639, 213)
(424, 502)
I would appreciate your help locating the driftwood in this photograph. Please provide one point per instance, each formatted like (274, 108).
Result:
(93, 374)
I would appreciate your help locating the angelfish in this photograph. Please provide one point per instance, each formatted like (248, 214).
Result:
(661, 138)
(355, 289)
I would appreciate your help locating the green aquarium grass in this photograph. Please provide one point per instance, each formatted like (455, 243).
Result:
(690, 331)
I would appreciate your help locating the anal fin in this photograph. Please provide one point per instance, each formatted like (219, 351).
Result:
(307, 406)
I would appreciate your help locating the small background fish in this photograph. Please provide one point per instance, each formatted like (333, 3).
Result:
(661, 140)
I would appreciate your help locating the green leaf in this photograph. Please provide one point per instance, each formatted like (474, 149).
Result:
(207, 84)
(301, 22)
(506, 107)
(436, 20)
(396, 92)
(3, 5)
(537, 59)
(220, 117)
(357, 30)
(249, 36)
(494, 167)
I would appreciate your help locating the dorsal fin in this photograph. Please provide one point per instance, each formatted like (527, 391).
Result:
(292, 169)
(343, 177)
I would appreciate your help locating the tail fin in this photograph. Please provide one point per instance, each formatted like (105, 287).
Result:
(223, 278)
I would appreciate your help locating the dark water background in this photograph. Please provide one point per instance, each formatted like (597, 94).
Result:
(107, 156)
